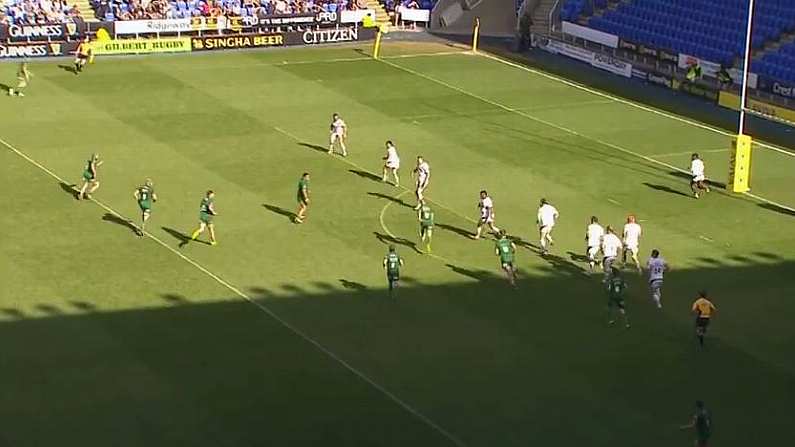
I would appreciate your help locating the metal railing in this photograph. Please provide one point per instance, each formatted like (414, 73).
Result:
(554, 16)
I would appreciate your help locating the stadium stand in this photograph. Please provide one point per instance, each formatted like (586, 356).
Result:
(32, 12)
(176, 9)
(709, 29)
(390, 5)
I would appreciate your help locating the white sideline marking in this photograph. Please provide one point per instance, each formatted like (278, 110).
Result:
(578, 134)
(702, 237)
(681, 154)
(614, 201)
(452, 438)
(383, 211)
(496, 111)
(628, 102)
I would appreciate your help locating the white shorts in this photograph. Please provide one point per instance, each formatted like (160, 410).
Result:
(487, 220)
(546, 231)
(592, 251)
(392, 164)
(632, 248)
(422, 183)
(699, 178)
(335, 137)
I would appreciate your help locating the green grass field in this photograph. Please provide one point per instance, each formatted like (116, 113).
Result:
(282, 334)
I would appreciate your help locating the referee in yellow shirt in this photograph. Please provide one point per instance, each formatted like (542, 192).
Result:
(703, 308)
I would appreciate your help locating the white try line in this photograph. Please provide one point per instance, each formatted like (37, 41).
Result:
(566, 129)
(628, 102)
(683, 153)
(401, 403)
(558, 106)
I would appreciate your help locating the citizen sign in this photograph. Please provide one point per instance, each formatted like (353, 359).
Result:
(331, 36)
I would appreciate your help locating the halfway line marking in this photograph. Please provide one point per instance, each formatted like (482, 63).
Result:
(261, 307)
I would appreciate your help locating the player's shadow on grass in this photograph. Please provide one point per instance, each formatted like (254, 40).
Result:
(112, 218)
(314, 147)
(352, 285)
(667, 189)
(576, 257)
(280, 211)
(181, 237)
(68, 68)
(365, 175)
(523, 243)
(778, 209)
(69, 189)
(5, 88)
(562, 265)
(390, 198)
(459, 231)
(710, 182)
(386, 239)
(480, 275)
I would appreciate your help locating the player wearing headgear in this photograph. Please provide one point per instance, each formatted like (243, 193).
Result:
(546, 219)
(339, 134)
(699, 180)
(657, 267)
(422, 174)
(391, 163)
(593, 238)
(632, 233)
(486, 207)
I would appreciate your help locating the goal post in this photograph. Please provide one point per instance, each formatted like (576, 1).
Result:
(740, 165)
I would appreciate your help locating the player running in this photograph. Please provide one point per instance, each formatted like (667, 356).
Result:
(703, 308)
(303, 198)
(702, 423)
(82, 55)
(593, 237)
(632, 233)
(23, 77)
(486, 207)
(90, 182)
(657, 267)
(546, 220)
(339, 134)
(392, 264)
(391, 163)
(611, 245)
(425, 216)
(616, 289)
(422, 172)
(145, 196)
(699, 181)
(206, 215)
(506, 250)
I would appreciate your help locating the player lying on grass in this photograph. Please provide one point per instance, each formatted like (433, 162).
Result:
(703, 308)
(486, 207)
(506, 250)
(392, 263)
(302, 197)
(145, 196)
(425, 215)
(697, 171)
(90, 177)
(657, 267)
(593, 238)
(616, 289)
(339, 135)
(391, 163)
(546, 220)
(23, 77)
(422, 174)
(632, 233)
(207, 214)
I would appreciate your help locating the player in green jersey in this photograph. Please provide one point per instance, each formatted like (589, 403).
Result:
(425, 216)
(506, 249)
(23, 77)
(145, 196)
(302, 197)
(701, 423)
(90, 181)
(616, 289)
(392, 264)
(206, 214)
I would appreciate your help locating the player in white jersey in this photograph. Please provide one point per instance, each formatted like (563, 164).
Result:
(657, 267)
(391, 163)
(611, 245)
(422, 173)
(593, 237)
(632, 232)
(546, 219)
(699, 180)
(486, 207)
(339, 133)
